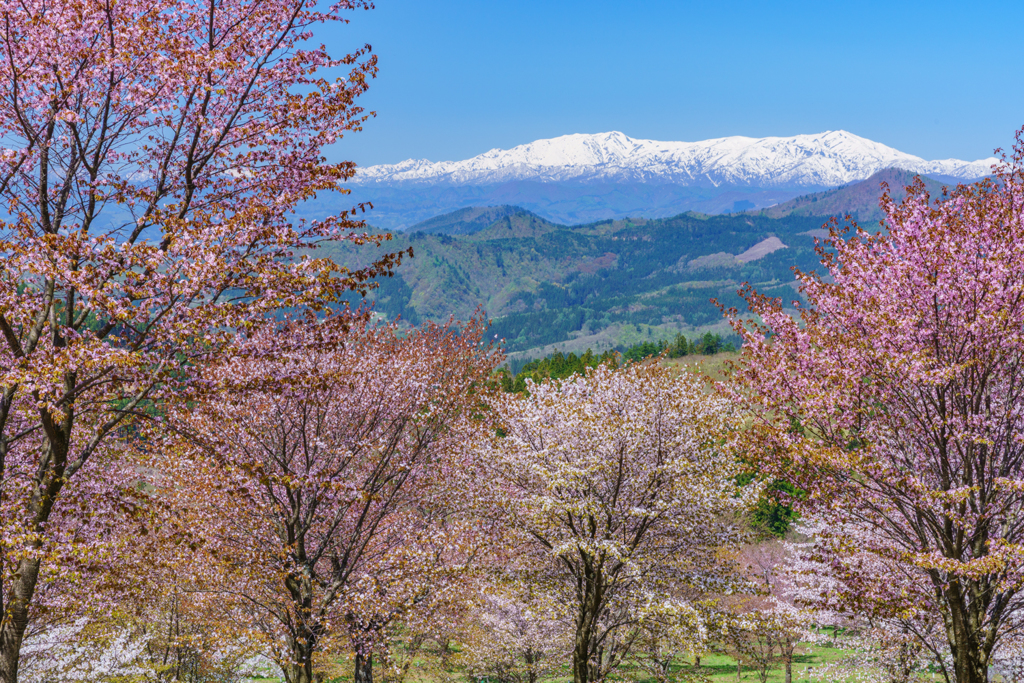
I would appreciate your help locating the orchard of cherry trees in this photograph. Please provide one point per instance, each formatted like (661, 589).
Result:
(212, 468)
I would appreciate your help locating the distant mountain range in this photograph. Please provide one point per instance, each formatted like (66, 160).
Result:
(467, 221)
(582, 178)
(823, 160)
(858, 200)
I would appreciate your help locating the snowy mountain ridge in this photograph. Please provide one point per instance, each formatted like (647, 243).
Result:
(818, 160)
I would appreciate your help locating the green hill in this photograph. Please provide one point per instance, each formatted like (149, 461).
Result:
(600, 285)
(467, 221)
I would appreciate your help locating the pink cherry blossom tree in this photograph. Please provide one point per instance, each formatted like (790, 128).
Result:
(619, 489)
(777, 615)
(320, 478)
(897, 401)
(517, 634)
(152, 156)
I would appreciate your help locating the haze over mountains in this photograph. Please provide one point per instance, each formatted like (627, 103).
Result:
(580, 178)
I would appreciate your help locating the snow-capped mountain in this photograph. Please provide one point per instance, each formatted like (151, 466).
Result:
(823, 160)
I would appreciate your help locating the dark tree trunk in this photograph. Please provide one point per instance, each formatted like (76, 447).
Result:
(300, 668)
(298, 673)
(15, 619)
(305, 637)
(364, 668)
(582, 659)
(966, 643)
(787, 648)
(532, 659)
(586, 660)
(968, 666)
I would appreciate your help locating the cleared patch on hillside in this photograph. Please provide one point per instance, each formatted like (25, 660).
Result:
(714, 261)
(761, 249)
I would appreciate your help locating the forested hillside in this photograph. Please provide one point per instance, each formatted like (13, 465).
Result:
(857, 199)
(599, 285)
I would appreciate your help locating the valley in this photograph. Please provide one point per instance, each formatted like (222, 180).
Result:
(607, 284)
(599, 285)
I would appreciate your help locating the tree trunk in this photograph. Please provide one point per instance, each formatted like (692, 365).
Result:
(300, 668)
(532, 659)
(967, 667)
(297, 673)
(364, 668)
(301, 672)
(584, 669)
(595, 664)
(305, 636)
(738, 669)
(789, 669)
(15, 619)
(970, 661)
(581, 661)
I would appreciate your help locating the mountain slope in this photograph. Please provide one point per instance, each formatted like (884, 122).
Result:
(466, 221)
(599, 284)
(821, 160)
(857, 199)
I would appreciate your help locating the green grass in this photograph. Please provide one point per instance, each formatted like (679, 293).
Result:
(710, 366)
(718, 668)
(722, 668)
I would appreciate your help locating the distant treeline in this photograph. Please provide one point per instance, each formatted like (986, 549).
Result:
(560, 366)
(708, 345)
(555, 366)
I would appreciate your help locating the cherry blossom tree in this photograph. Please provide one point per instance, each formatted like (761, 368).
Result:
(152, 155)
(898, 621)
(129, 610)
(782, 611)
(419, 636)
(318, 477)
(1008, 657)
(889, 639)
(418, 587)
(672, 627)
(620, 490)
(183, 641)
(897, 402)
(517, 635)
(751, 637)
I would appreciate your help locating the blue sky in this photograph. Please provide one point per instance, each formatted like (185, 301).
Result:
(459, 77)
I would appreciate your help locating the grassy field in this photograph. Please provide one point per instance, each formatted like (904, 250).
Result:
(712, 366)
(717, 668)
(722, 669)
